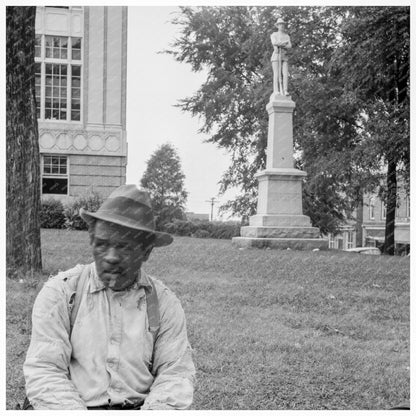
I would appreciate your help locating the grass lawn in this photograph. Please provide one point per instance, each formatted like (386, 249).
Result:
(270, 329)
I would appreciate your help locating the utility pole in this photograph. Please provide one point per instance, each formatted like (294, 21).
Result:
(212, 201)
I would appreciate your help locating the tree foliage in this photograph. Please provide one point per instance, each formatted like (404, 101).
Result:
(376, 52)
(339, 78)
(165, 182)
(23, 248)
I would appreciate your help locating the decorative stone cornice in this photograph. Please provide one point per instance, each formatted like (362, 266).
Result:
(111, 143)
(284, 173)
(280, 104)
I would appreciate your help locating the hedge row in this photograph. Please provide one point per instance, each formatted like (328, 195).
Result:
(54, 214)
(203, 229)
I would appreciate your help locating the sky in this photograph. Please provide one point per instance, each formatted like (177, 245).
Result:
(155, 83)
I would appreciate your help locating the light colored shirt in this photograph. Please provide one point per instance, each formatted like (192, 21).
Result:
(108, 355)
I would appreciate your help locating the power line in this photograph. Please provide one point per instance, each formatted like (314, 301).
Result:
(212, 201)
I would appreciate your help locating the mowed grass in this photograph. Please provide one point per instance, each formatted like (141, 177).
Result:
(270, 329)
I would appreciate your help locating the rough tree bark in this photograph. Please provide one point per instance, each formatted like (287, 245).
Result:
(391, 208)
(398, 96)
(23, 250)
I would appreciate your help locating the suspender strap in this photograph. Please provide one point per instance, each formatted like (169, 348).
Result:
(153, 314)
(79, 290)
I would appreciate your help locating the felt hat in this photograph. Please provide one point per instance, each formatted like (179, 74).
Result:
(129, 207)
(280, 21)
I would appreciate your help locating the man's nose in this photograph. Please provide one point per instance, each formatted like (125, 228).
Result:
(111, 256)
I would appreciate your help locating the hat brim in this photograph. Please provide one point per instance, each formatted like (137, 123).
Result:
(161, 239)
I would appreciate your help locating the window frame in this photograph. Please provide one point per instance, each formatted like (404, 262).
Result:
(339, 243)
(350, 239)
(54, 175)
(69, 62)
(371, 209)
(331, 241)
(383, 211)
(407, 205)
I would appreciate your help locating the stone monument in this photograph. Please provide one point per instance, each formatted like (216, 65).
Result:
(279, 222)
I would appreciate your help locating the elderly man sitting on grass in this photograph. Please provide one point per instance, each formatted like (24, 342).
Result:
(107, 335)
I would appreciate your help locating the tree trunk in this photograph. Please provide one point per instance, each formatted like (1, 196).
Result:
(359, 223)
(23, 250)
(391, 208)
(400, 90)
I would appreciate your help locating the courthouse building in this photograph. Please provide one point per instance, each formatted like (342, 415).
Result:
(81, 57)
(367, 229)
(374, 221)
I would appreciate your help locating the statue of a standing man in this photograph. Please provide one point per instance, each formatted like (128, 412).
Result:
(281, 43)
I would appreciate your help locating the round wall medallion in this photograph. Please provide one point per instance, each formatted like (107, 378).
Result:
(63, 141)
(80, 142)
(95, 143)
(112, 143)
(46, 141)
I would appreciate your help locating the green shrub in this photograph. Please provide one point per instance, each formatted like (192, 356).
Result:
(204, 225)
(90, 202)
(225, 230)
(201, 234)
(184, 228)
(52, 214)
(203, 229)
(169, 228)
(179, 227)
(167, 214)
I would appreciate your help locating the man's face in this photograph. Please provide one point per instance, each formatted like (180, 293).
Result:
(118, 253)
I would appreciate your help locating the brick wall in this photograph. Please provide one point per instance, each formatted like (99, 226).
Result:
(101, 174)
(402, 211)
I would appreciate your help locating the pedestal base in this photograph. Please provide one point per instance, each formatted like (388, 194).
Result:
(280, 232)
(281, 237)
(264, 220)
(281, 243)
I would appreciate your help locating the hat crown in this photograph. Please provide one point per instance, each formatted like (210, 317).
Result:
(131, 204)
(132, 192)
(130, 207)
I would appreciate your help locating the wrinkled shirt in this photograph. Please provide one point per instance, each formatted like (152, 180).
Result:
(107, 356)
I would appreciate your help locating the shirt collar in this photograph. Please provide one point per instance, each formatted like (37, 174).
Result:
(97, 285)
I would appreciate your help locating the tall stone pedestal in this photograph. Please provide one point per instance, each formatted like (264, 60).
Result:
(279, 222)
